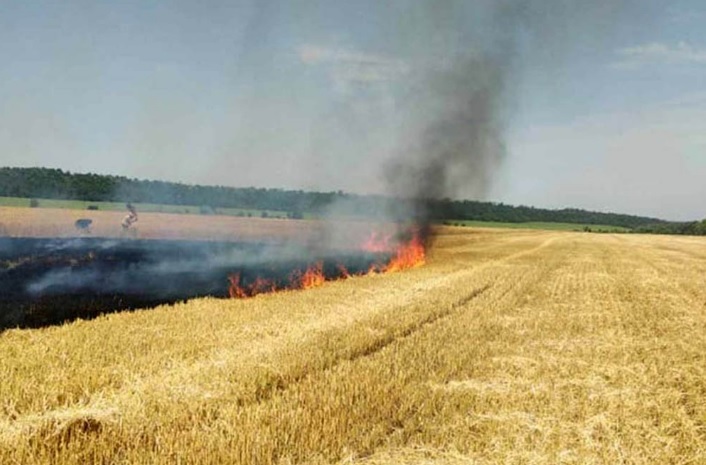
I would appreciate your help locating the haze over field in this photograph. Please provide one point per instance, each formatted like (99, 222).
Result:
(598, 105)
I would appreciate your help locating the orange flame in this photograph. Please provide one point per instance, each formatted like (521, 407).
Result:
(235, 290)
(409, 255)
(406, 255)
(312, 277)
(260, 286)
(345, 274)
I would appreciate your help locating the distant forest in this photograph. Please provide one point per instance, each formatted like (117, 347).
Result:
(59, 184)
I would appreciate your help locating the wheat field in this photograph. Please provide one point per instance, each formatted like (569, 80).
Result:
(510, 347)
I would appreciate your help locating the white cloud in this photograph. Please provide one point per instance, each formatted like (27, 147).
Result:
(659, 53)
(350, 67)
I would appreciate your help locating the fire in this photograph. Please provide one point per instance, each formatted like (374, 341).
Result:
(240, 291)
(235, 290)
(344, 271)
(404, 255)
(312, 277)
(409, 255)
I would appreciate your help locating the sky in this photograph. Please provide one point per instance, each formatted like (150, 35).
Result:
(599, 107)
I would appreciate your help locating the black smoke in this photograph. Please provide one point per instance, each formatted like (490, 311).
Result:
(468, 69)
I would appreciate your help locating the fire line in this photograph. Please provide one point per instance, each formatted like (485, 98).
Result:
(405, 255)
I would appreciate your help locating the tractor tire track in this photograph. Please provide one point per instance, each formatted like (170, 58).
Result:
(281, 384)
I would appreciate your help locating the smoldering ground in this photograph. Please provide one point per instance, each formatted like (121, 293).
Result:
(48, 281)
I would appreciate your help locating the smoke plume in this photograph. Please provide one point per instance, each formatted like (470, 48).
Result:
(467, 80)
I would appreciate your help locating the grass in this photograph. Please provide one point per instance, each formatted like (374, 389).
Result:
(141, 207)
(548, 226)
(508, 347)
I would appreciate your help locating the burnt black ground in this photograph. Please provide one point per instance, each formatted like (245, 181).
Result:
(50, 281)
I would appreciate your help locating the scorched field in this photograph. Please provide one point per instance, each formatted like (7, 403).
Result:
(506, 347)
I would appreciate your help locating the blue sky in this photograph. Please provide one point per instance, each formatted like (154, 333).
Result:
(604, 110)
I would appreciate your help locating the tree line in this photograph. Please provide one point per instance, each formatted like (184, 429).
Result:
(59, 184)
(688, 228)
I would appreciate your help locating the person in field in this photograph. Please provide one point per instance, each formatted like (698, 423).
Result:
(83, 225)
(130, 218)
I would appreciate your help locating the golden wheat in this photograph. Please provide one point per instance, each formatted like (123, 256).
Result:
(508, 347)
